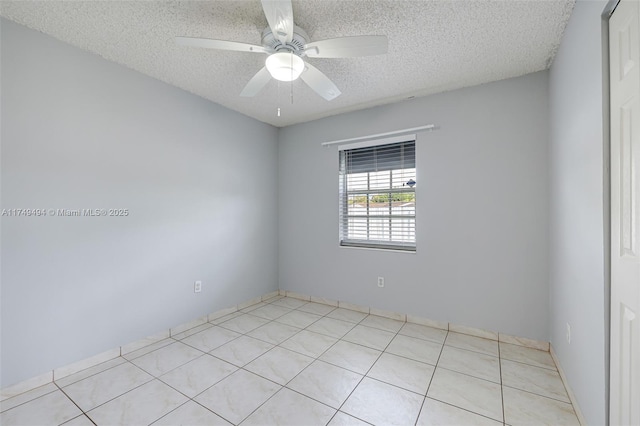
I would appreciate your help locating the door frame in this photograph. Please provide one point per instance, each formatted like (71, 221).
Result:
(606, 182)
(606, 15)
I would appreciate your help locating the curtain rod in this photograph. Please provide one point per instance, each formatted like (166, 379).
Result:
(381, 135)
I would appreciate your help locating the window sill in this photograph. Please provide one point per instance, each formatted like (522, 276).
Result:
(378, 249)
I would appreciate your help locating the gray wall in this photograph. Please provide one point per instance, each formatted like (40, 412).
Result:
(577, 257)
(199, 182)
(482, 210)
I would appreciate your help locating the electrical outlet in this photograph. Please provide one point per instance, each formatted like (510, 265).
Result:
(197, 287)
(380, 282)
(568, 333)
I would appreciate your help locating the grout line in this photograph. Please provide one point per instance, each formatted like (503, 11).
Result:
(479, 378)
(91, 375)
(90, 419)
(209, 409)
(252, 372)
(431, 379)
(175, 409)
(260, 406)
(504, 420)
(530, 365)
(124, 393)
(464, 409)
(2, 410)
(237, 369)
(469, 375)
(74, 403)
(311, 398)
(537, 394)
(264, 353)
(205, 390)
(372, 365)
(350, 415)
(574, 402)
(473, 350)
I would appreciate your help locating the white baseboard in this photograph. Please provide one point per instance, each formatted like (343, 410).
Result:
(324, 301)
(270, 295)
(149, 340)
(248, 303)
(353, 307)
(26, 385)
(443, 325)
(298, 296)
(523, 341)
(388, 314)
(221, 313)
(572, 397)
(65, 371)
(188, 325)
(70, 369)
(428, 322)
(472, 331)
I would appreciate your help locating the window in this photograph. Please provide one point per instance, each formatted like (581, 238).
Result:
(377, 196)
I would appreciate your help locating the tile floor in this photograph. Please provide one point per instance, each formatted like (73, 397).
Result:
(289, 362)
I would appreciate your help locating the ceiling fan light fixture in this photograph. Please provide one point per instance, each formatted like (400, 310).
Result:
(284, 66)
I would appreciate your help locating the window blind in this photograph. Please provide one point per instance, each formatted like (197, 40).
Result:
(377, 196)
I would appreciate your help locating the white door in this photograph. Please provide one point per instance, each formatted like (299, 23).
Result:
(624, 49)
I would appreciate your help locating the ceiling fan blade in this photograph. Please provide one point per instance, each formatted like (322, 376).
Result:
(319, 82)
(220, 44)
(347, 47)
(256, 83)
(279, 14)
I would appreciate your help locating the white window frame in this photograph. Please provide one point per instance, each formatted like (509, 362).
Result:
(343, 200)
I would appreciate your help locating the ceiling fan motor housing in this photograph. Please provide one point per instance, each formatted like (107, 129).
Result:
(296, 45)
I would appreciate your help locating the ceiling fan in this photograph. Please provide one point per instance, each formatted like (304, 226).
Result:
(287, 45)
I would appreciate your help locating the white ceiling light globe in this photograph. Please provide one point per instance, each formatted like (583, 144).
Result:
(284, 66)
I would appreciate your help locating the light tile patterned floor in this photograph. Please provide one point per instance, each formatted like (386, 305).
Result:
(289, 362)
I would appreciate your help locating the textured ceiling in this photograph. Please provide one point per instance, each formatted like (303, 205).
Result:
(434, 46)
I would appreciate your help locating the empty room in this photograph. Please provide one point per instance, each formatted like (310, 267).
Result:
(320, 212)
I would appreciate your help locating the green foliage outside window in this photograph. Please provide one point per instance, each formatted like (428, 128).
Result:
(405, 197)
